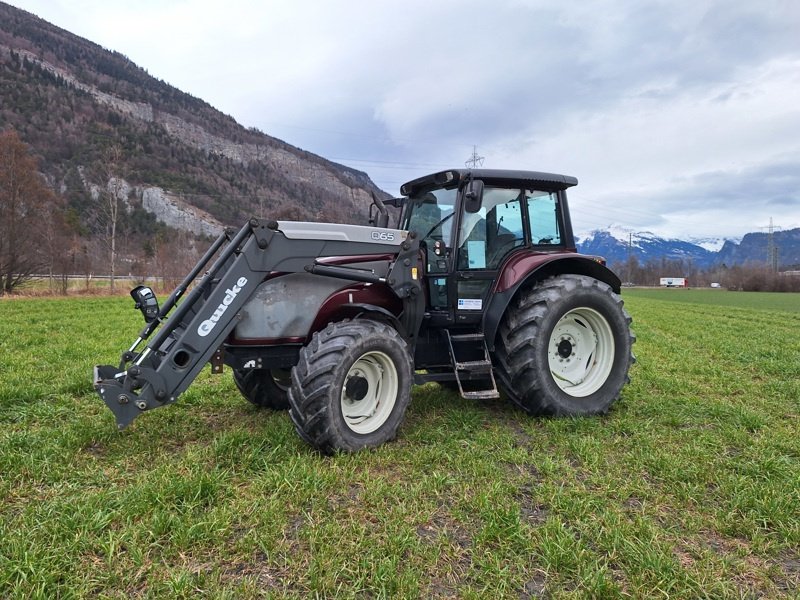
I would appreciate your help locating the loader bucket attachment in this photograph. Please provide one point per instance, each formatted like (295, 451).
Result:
(124, 404)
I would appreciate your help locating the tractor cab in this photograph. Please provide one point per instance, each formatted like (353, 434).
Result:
(472, 222)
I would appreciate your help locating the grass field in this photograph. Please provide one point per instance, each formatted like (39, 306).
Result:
(689, 488)
(719, 297)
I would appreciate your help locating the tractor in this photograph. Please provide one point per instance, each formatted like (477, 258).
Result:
(479, 287)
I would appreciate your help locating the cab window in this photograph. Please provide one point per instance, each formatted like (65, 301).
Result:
(430, 214)
(487, 236)
(543, 216)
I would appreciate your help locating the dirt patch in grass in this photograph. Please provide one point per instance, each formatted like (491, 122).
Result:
(260, 573)
(531, 510)
(453, 544)
(789, 564)
(535, 588)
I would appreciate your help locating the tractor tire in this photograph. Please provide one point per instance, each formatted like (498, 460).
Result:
(564, 347)
(263, 387)
(351, 386)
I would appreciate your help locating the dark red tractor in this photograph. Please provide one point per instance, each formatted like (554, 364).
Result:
(479, 288)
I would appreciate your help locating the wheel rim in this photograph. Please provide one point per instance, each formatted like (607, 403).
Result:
(369, 392)
(581, 352)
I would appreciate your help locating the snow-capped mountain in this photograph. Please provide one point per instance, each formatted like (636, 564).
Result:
(713, 244)
(617, 243)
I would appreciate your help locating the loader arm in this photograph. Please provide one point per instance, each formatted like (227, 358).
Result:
(178, 345)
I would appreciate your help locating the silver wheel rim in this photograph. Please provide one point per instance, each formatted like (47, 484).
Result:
(581, 352)
(364, 411)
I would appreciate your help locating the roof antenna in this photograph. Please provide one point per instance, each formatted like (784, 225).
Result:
(474, 160)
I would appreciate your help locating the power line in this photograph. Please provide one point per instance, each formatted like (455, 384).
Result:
(772, 248)
(474, 160)
(388, 164)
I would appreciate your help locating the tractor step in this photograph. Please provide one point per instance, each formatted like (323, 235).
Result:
(465, 366)
(481, 395)
(474, 366)
(467, 337)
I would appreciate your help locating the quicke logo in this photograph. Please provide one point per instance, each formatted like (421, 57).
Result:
(208, 325)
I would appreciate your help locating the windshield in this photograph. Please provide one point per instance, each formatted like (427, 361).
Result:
(430, 214)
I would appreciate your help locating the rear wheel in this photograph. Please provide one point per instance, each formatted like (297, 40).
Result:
(264, 387)
(564, 347)
(351, 386)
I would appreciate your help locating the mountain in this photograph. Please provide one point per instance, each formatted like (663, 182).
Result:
(100, 125)
(617, 243)
(754, 247)
(96, 120)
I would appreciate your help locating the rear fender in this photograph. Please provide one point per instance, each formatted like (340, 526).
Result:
(526, 271)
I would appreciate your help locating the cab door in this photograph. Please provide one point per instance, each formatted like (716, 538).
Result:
(432, 215)
(484, 239)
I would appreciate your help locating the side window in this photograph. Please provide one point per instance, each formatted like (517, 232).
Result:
(431, 215)
(543, 215)
(487, 236)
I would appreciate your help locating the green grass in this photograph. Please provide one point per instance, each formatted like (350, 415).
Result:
(720, 297)
(689, 488)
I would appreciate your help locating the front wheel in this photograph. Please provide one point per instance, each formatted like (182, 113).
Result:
(351, 386)
(268, 388)
(564, 347)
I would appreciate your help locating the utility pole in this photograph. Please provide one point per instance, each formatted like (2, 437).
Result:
(474, 160)
(630, 243)
(772, 248)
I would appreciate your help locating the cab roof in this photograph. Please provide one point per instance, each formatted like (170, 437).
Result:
(452, 177)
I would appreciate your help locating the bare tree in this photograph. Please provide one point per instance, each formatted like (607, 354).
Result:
(112, 206)
(58, 248)
(24, 199)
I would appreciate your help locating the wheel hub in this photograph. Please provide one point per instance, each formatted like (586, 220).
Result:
(356, 388)
(565, 348)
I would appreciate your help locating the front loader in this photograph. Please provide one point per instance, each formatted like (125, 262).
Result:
(480, 288)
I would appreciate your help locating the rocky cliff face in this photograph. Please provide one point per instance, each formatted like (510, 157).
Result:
(754, 249)
(187, 163)
(175, 213)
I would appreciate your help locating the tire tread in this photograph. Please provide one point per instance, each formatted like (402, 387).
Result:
(518, 367)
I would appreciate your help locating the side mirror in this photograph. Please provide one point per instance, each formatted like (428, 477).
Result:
(396, 202)
(146, 301)
(381, 217)
(473, 195)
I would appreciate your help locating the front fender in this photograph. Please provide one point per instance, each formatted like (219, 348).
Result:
(352, 301)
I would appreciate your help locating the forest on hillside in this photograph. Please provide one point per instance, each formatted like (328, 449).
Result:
(99, 127)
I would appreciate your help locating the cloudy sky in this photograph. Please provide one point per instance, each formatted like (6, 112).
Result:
(681, 117)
